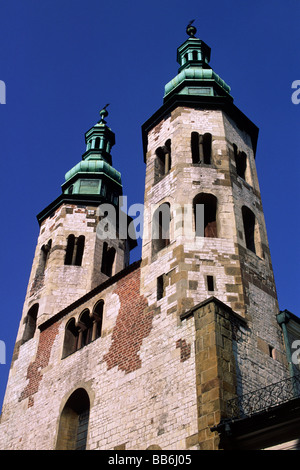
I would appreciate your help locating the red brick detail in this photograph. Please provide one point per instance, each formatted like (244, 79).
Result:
(34, 371)
(185, 349)
(133, 324)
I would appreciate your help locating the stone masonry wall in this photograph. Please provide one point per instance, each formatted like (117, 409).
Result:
(60, 285)
(242, 280)
(139, 376)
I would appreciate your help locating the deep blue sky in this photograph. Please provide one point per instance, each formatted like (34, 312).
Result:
(62, 60)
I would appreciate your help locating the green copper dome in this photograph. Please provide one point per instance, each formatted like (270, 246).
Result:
(95, 167)
(195, 76)
(94, 174)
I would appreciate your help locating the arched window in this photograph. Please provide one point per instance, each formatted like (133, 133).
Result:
(163, 161)
(86, 328)
(168, 161)
(201, 148)
(71, 338)
(195, 147)
(74, 421)
(98, 319)
(44, 255)
(240, 162)
(79, 250)
(108, 258)
(38, 280)
(205, 213)
(97, 142)
(195, 55)
(161, 227)
(30, 323)
(70, 249)
(207, 139)
(74, 251)
(249, 228)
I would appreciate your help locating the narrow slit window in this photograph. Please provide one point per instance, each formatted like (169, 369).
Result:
(161, 228)
(108, 258)
(249, 228)
(210, 283)
(79, 250)
(70, 249)
(195, 147)
(160, 287)
(207, 148)
(167, 151)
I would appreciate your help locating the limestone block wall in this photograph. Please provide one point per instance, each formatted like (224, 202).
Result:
(59, 284)
(139, 375)
(242, 279)
(193, 258)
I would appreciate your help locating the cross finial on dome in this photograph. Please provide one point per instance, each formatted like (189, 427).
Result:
(104, 113)
(190, 29)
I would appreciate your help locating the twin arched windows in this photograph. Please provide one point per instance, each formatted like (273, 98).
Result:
(74, 254)
(201, 148)
(86, 329)
(205, 221)
(74, 251)
(205, 213)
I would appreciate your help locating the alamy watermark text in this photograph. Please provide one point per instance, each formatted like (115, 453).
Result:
(2, 92)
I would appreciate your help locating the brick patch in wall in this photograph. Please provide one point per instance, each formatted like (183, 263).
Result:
(185, 349)
(34, 374)
(133, 324)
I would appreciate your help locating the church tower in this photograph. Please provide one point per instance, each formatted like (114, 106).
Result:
(205, 234)
(73, 254)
